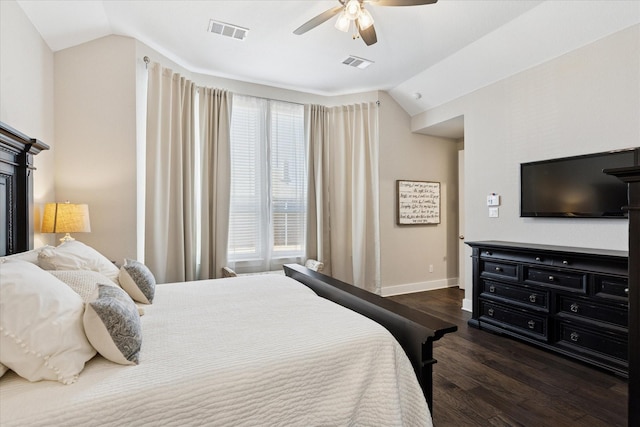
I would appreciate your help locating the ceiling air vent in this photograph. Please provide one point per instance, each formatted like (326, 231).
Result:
(354, 61)
(227, 30)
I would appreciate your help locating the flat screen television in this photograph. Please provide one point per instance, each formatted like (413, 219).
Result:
(575, 187)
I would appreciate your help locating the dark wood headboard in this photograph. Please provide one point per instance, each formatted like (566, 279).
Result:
(16, 189)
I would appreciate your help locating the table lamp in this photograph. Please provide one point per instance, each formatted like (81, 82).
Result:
(66, 218)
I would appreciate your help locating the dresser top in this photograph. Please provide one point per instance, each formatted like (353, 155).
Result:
(549, 248)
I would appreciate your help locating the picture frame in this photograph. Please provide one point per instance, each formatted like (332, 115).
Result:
(418, 202)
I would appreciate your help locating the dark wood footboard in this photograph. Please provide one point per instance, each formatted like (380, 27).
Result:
(414, 330)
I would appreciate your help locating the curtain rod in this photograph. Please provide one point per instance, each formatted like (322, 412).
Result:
(146, 65)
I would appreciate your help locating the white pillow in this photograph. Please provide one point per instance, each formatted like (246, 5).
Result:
(112, 324)
(76, 255)
(83, 282)
(41, 332)
(138, 281)
(29, 256)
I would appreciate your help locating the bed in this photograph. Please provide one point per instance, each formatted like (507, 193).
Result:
(254, 350)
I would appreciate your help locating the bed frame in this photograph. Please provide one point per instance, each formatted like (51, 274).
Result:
(414, 330)
(16, 189)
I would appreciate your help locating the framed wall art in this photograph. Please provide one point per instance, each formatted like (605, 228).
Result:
(418, 202)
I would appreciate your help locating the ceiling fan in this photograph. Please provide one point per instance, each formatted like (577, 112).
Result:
(354, 11)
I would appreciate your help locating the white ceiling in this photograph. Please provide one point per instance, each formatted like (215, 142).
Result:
(441, 50)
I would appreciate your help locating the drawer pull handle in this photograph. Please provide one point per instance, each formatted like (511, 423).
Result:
(565, 262)
(551, 278)
(492, 289)
(574, 307)
(532, 298)
(538, 259)
(531, 324)
(490, 312)
(574, 336)
(498, 269)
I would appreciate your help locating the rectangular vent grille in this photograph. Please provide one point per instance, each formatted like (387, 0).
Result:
(354, 61)
(227, 30)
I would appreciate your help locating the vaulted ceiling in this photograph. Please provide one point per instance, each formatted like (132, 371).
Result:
(425, 55)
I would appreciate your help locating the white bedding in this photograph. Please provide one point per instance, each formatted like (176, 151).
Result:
(252, 351)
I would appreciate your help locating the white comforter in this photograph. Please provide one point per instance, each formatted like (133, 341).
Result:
(247, 351)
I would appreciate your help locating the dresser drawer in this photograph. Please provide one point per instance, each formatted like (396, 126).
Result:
(559, 279)
(610, 287)
(591, 264)
(516, 294)
(499, 269)
(521, 321)
(532, 258)
(589, 340)
(580, 308)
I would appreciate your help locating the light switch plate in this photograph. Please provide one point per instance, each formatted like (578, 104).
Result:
(494, 212)
(493, 200)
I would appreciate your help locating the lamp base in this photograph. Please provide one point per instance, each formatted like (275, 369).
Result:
(67, 238)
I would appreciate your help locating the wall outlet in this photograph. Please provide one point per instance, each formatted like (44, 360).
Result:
(494, 212)
(430, 268)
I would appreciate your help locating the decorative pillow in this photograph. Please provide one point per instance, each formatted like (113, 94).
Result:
(112, 324)
(314, 265)
(83, 282)
(138, 281)
(41, 331)
(3, 369)
(76, 255)
(28, 256)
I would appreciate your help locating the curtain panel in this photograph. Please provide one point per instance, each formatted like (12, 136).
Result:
(187, 178)
(215, 142)
(318, 237)
(344, 225)
(170, 220)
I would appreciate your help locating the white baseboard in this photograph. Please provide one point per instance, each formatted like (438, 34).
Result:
(467, 305)
(410, 288)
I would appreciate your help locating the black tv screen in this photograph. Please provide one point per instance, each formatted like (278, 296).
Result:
(575, 187)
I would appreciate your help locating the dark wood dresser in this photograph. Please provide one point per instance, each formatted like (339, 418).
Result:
(569, 300)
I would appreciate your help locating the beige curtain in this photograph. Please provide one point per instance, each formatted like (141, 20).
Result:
(215, 123)
(318, 238)
(170, 220)
(187, 178)
(343, 178)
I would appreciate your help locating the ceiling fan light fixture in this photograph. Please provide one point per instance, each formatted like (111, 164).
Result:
(343, 22)
(365, 20)
(352, 9)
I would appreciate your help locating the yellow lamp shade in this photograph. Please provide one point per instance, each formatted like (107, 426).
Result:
(66, 218)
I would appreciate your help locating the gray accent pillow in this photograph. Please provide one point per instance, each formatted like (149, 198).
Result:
(112, 325)
(138, 281)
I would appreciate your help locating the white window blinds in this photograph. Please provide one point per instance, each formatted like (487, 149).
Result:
(268, 184)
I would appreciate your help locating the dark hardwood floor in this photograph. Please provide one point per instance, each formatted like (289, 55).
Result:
(483, 379)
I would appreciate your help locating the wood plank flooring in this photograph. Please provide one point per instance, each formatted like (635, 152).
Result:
(483, 379)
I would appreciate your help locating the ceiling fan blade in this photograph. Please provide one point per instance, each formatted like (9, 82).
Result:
(401, 2)
(368, 35)
(314, 22)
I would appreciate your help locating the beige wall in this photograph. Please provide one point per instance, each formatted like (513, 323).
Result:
(408, 251)
(583, 102)
(95, 105)
(26, 97)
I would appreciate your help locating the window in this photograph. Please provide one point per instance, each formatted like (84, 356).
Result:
(268, 184)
